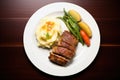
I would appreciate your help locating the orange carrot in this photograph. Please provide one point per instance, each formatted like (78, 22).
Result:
(85, 37)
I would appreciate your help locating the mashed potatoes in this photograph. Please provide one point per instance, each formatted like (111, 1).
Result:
(48, 31)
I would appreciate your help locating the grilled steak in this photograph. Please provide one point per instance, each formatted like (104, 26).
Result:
(63, 52)
(58, 59)
(65, 45)
(69, 38)
(64, 49)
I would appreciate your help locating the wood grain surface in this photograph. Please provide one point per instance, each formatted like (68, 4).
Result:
(14, 64)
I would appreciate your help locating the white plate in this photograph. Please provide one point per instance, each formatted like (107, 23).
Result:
(39, 57)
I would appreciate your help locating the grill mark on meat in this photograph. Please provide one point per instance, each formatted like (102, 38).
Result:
(65, 45)
(63, 52)
(69, 38)
(58, 59)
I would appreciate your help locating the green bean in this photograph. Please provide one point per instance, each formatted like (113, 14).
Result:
(68, 26)
(72, 25)
(76, 29)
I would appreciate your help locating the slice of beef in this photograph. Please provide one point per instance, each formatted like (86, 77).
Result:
(58, 59)
(63, 52)
(65, 45)
(69, 38)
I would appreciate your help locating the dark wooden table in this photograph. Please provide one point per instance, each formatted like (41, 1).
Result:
(14, 64)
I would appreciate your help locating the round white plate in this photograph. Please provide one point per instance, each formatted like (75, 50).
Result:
(39, 56)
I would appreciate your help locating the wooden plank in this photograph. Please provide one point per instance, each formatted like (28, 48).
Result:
(11, 30)
(21, 8)
(109, 31)
(14, 64)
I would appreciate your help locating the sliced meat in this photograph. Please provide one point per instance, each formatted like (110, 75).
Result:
(69, 38)
(58, 59)
(65, 45)
(63, 52)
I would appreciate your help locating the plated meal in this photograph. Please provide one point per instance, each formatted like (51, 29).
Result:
(49, 35)
(61, 39)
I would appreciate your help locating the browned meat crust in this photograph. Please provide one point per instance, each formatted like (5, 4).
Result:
(66, 45)
(69, 38)
(58, 59)
(64, 50)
